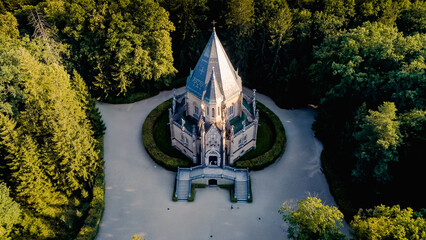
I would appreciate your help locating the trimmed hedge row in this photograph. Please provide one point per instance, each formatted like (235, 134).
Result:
(269, 157)
(161, 158)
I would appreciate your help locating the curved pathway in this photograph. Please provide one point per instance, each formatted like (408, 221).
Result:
(138, 193)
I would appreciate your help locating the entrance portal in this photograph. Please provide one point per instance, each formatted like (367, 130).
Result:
(213, 160)
(212, 182)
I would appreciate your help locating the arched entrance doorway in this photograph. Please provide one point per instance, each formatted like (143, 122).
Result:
(212, 158)
(212, 182)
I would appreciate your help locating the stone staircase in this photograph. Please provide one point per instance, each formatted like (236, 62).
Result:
(182, 189)
(241, 190)
(240, 177)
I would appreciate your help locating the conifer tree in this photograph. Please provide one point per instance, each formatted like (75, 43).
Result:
(88, 105)
(46, 140)
(9, 211)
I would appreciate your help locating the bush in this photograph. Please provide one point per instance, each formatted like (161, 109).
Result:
(266, 156)
(161, 158)
(91, 225)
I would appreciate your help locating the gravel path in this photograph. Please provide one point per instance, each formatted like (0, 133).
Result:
(138, 193)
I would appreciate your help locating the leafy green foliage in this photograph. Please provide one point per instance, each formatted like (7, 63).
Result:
(9, 25)
(271, 141)
(240, 22)
(378, 140)
(116, 45)
(384, 222)
(188, 39)
(93, 219)
(137, 237)
(312, 220)
(413, 18)
(160, 157)
(9, 211)
(367, 68)
(49, 156)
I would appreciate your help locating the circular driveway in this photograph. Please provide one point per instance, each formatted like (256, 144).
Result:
(138, 193)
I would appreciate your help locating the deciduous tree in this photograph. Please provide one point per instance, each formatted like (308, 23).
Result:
(378, 141)
(384, 222)
(312, 220)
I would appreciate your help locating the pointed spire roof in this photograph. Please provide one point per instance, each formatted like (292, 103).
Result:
(227, 79)
(213, 93)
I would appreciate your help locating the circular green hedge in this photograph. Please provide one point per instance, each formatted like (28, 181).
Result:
(270, 141)
(156, 138)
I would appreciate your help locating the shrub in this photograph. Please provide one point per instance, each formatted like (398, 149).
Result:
(91, 225)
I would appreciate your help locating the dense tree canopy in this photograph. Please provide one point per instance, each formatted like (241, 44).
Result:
(312, 220)
(372, 67)
(361, 62)
(9, 211)
(116, 45)
(378, 140)
(384, 222)
(48, 154)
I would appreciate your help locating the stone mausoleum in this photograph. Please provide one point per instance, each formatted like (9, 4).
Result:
(214, 124)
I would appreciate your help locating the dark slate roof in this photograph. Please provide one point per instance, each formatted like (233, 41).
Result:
(213, 93)
(214, 56)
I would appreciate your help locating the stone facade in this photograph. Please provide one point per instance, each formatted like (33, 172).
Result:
(213, 123)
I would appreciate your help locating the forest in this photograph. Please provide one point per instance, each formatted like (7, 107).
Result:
(359, 63)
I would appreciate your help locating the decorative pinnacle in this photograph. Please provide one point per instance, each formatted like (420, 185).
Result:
(214, 23)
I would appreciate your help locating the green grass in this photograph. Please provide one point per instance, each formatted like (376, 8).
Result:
(270, 143)
(164, 156)
(265, 138)
(162, 136)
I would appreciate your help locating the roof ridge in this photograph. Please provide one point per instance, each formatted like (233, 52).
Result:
(214, 57)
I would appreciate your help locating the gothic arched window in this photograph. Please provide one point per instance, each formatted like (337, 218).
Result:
(231, 110)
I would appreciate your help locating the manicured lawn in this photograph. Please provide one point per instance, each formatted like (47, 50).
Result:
(265, 138)
(162, 136)
(270, 143)
(157, 142)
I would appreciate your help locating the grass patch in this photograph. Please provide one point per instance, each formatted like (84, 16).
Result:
(265, 138)
(193, 187)
(160, 150)
(270, 144)
(162, 136)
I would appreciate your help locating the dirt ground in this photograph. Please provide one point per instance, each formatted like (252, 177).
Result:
(138, 193)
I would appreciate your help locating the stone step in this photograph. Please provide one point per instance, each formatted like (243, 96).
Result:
(241, 190)
(182, 189)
